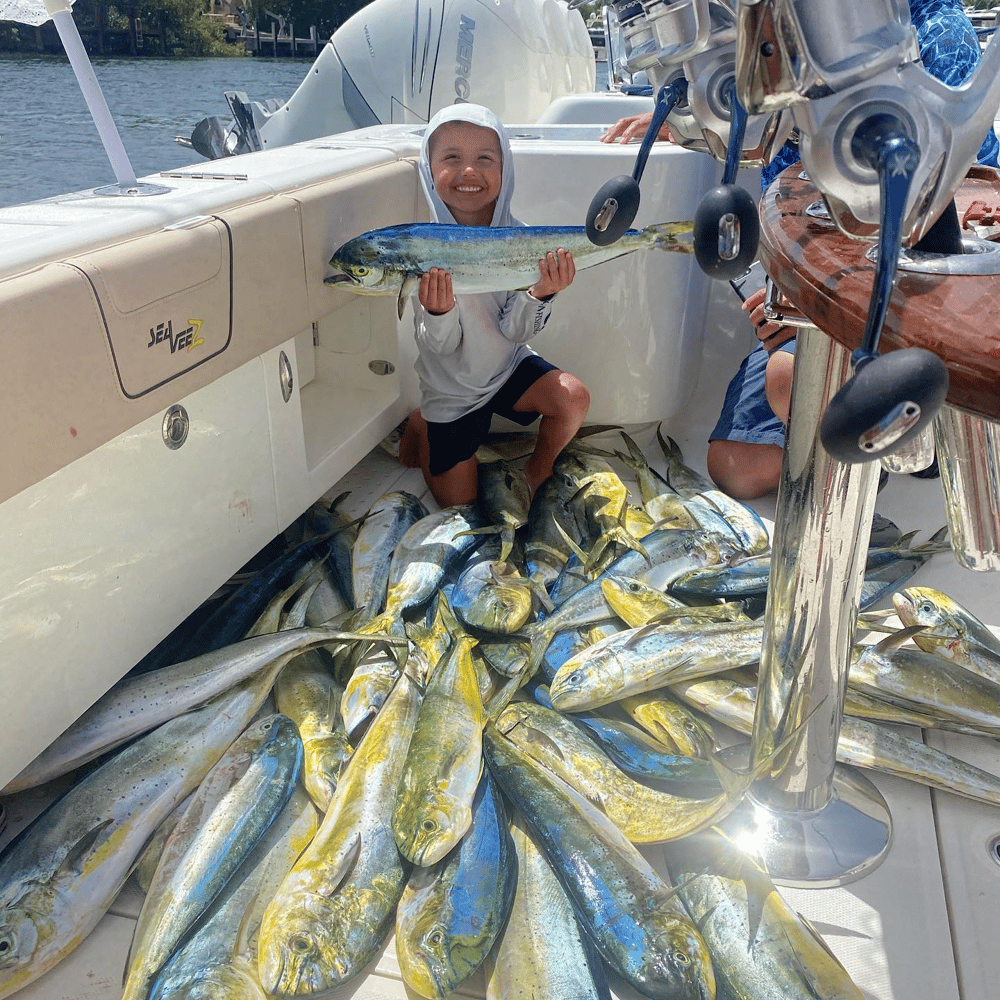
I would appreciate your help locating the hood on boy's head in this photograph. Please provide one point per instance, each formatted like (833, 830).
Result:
(477, 115)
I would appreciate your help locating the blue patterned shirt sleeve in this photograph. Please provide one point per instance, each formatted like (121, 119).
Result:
(949, 50)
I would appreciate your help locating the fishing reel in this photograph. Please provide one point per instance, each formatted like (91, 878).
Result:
(887, 146)
(688, 51)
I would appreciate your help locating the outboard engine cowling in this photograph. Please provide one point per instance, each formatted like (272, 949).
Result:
(399, 61)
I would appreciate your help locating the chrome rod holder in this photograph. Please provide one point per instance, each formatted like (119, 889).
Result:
(969, 459)
(813, 823)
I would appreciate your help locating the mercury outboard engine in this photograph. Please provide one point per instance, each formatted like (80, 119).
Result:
(403, 60)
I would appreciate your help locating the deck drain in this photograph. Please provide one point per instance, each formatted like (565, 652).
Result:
(994, 849)
(381, 367)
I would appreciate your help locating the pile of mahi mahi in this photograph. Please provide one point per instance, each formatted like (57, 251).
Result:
(457, 726)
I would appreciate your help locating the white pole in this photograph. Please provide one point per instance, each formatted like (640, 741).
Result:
(62, 17)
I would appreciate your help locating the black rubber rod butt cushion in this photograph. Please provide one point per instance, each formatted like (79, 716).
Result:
(726, 232)
(889, 400)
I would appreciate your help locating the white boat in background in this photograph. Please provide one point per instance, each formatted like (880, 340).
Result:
(186, 386)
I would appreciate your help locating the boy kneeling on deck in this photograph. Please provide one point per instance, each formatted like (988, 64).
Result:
(473, 359)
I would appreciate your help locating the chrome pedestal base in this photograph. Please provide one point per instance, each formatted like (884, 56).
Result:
(839, 843)
(138, 190)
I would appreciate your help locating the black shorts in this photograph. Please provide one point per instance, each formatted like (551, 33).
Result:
(458, 440)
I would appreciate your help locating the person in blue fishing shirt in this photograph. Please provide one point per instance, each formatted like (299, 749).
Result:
(746, 446)
(473, 358)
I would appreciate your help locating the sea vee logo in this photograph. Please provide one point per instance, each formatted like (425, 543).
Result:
(188, 338)
(463, 59)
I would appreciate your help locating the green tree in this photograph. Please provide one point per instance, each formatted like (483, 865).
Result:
(183, 27)
(180, 26)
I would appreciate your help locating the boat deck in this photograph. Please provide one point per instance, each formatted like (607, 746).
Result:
(918, 926)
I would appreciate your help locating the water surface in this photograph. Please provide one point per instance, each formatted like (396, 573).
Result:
(49, 144)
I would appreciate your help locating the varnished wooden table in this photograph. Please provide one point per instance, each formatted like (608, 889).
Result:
(827, 276)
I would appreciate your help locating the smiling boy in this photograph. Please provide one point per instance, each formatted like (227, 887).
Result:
(473, 357)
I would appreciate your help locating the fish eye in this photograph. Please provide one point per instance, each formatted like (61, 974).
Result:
(300, 943)
(575, 677)
(428, 825)
(926, 607)
(634, 587)
(360, 270)
(435, 937)
(7, 944)
(681, 958)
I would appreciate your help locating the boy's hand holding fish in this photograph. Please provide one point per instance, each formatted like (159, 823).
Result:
(557, 271)
(436, 294)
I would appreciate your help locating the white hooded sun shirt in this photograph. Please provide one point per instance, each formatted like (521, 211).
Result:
(469, 352)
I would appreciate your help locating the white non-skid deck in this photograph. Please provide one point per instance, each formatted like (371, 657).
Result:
(919, 927)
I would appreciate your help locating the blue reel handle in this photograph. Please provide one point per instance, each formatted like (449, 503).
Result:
(892, 398)
(614, 207)
(726, 226)
(889, 400)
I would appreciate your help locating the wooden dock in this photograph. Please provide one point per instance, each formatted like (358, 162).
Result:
(276, 43)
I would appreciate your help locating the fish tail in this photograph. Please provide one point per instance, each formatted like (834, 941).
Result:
(940, 536)
(674, 236)
(616, 533)
(380, 625)
(670, 448)
(635, 452)
(736, 782)
(588, 429)
(503, 696)
(490, 529)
